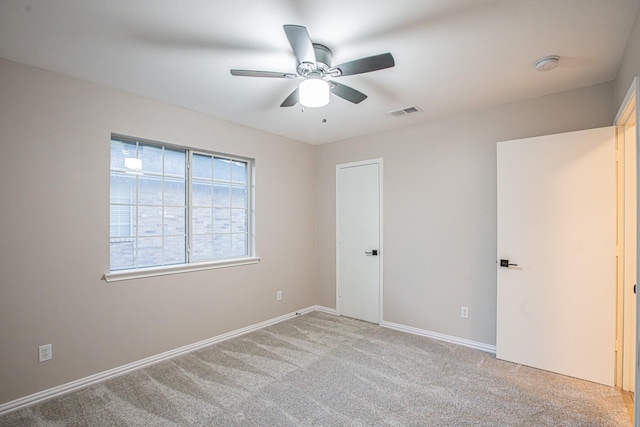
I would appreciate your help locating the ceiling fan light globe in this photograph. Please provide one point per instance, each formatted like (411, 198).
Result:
(313, 93)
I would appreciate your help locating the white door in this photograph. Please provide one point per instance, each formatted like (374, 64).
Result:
(556, 221)
(359, 240)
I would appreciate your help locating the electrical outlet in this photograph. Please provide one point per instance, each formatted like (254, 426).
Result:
(279, 296)
(44, 353)
(464, 312)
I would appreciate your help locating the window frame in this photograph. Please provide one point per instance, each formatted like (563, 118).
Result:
(189, 265)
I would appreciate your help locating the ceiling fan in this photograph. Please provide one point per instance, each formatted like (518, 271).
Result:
(315, 70)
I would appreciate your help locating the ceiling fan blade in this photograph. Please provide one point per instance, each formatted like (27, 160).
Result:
(256, 73)
(365, 65)
(346, 92)
(300, 43)
(291, 99)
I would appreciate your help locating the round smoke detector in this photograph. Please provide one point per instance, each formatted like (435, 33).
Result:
(547, 63)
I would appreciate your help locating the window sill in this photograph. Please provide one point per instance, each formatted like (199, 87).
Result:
(118, 276)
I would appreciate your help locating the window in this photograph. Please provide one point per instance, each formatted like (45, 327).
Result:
(220, 207)
(174, 206)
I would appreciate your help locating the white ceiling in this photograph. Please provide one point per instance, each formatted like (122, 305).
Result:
(451, 55)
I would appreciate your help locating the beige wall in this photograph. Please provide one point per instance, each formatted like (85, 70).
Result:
(54, 225)
(630, 67)
(440, 207)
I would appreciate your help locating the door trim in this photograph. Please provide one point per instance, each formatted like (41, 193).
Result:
(624, 141)
(381, 251)
(631, 105)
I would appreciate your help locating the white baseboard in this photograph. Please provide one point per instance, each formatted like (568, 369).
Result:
(322, 309)
(442, 337)
(134, 366)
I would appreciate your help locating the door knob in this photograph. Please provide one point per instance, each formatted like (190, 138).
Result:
(373, 252)
(505, 263)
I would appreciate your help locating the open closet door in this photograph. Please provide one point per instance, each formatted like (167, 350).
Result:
(557, 241)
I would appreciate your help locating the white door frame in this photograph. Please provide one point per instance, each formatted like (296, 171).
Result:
(627, 113)
(380, 248)
(632, 101)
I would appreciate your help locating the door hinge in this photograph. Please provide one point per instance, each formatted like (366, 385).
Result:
(618, 345)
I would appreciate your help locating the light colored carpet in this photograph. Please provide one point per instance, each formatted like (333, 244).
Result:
(325, 370)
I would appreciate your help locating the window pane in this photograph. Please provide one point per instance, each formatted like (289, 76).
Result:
(202, 221)
(239, 172)
(120, 150)
(175, 221)
(149, 251)
(174, 192)
(123, 188)
(221, 169)
(175, 250)
(201, 193)
(149, 221)
(222, 245)
(174, 162)
(221, 195)
(221, 220)
(238, 221)
(151, 157)
(149, 190)
(202, 248)
(238, 244)
(201, 166)
(120, 224)
(121, 253)
(239, 197)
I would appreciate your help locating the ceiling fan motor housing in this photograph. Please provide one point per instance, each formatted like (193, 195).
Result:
(323, 56)
(322, 64)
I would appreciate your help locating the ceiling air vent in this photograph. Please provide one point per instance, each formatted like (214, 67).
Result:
(405, 111)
